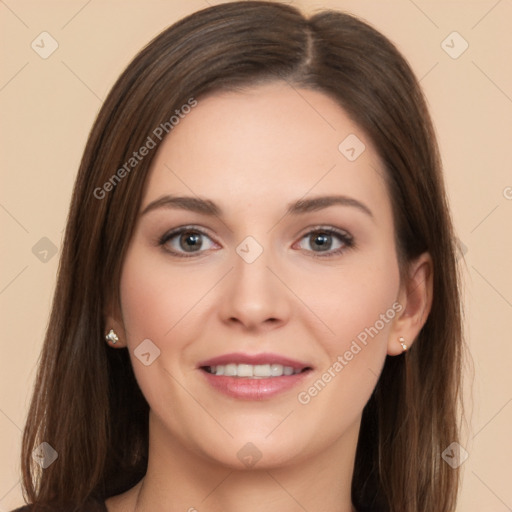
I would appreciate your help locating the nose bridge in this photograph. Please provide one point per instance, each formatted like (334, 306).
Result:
(252, 276)
(253, 294)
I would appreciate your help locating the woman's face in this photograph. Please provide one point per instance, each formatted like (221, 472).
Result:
(265, 278)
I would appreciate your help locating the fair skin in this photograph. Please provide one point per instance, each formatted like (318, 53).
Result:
(252, 153)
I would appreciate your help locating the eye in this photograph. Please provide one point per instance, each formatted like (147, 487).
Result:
(326, 242)
(185, 240)
(188, 241)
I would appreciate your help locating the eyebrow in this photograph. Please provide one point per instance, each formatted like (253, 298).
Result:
(208, 207)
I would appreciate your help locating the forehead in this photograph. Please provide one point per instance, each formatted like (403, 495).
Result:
(269, 144)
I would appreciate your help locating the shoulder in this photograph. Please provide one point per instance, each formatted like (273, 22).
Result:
(90, 506)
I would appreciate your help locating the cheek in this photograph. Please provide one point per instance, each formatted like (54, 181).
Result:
(361, 319)
(153, 301)
(157, 304)
(154, 296)
(365, 307)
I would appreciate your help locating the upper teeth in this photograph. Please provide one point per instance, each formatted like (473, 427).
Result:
(252, 370)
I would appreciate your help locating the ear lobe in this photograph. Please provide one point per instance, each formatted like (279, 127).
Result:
(416, 296)
(113, 321)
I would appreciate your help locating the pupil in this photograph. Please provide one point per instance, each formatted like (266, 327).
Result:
(192, 239)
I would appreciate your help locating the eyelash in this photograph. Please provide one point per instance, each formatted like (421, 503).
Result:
(346, 239)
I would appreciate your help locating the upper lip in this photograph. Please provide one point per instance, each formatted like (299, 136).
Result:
(254, 359)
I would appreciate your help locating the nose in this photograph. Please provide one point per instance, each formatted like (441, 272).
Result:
(253, 298)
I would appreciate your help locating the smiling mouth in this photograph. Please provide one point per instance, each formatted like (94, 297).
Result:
(253, 371)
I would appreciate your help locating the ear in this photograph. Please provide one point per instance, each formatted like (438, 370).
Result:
(113, 320)
(415, 296)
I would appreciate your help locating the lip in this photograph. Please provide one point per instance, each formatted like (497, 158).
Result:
(246, 388)
(254, 389)
(263, 358)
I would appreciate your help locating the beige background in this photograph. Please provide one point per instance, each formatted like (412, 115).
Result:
(48, 106)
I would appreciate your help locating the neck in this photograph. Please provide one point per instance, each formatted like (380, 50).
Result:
(182, 480)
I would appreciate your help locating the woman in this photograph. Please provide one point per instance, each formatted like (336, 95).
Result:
(258, 301)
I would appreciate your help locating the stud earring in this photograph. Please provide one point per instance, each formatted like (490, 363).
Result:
(112, 337)
(401, 340)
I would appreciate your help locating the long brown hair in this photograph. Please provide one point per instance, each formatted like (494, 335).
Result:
(86, 402)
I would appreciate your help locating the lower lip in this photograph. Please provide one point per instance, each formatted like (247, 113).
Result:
(254, 389)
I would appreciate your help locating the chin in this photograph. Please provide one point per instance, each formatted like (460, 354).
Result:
(257, 451)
